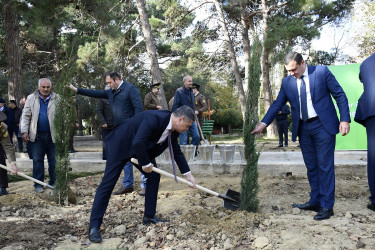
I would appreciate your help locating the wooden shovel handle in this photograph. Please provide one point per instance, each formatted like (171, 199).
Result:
(27, 177)
(162, 172)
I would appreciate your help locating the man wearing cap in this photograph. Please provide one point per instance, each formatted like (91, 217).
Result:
(200, 103)
(152, 101)
(7, 149)
(37, 126)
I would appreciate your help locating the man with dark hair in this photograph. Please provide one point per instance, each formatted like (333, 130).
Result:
(37, 126)
(185, 96)
(145, 136)
(125, 101)
(308, 90)
(17, 116)
(365, 115)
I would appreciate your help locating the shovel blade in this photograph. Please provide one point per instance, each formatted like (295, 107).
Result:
(233, 200)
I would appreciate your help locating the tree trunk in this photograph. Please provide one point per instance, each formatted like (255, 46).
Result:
(151, 50)
(267, 88)
(232, 54)
(246, 41)
(12, 47)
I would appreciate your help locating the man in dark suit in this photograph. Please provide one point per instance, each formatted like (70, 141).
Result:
(282, 125)
(365, 115)
(145, 136)
(125, 101)
(308, 90)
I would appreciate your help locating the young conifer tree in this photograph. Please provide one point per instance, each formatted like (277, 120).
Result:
(249, 181)
(64, 125)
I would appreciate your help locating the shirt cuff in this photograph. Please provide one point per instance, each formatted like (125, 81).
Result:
(264, 123)
(186, 173)
(146, 166)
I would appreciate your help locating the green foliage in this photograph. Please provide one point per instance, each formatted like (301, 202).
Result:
(226, 104)
(63, 126)
(364, 15)
(321, 58)
(249, 181)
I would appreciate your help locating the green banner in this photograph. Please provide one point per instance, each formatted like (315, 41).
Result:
(347, 76)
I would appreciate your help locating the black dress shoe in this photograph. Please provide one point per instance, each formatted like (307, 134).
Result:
(94, 235)
(307, 206)
(123, 191)
(371, 206)
(3, 191)
(154, 220)
(280, 146)
(323, 214)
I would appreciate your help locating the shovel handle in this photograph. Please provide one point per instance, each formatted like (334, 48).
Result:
(27, 177)
(162, 172)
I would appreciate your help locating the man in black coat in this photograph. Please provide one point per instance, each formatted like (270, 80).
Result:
(282, 124)
(145, 136)
(365, 115)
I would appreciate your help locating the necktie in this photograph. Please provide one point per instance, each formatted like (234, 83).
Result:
(302, 93)
(171, 152)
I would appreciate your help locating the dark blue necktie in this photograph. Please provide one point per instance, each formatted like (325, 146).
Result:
(302, 93)
(172, 154)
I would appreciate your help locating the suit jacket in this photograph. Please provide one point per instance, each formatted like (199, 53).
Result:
(285, 111)
(104, 112)
(322, 85)
(139, 136)
(125, 101)
(366, 103)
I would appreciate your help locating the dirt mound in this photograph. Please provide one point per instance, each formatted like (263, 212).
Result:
(197, 220)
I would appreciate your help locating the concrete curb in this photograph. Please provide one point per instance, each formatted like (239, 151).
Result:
(270, 163)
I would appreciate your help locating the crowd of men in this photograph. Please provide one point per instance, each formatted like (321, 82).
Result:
(129, 132)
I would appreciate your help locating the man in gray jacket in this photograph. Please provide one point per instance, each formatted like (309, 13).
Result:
(37, 126)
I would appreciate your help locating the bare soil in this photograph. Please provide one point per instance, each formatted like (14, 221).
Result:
(197, 220)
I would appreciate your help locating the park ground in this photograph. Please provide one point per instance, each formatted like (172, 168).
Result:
(197, 220)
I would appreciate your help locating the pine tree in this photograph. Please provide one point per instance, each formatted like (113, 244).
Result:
(64, 124)
(249, 181)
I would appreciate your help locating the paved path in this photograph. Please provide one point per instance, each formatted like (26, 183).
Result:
(273, 163)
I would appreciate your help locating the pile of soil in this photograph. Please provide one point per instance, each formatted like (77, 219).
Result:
(197, 220)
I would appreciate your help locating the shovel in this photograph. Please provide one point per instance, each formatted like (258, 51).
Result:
(205, 142)
(231, 199)
(27, 177)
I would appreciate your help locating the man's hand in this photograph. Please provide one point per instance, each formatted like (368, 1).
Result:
(191, 178)
(148, 169)
(14, 167)
(344, 128)
(25, 137)
(73, 88)
(196, 112)
(104, 125)
(259, 128)
(159, 107)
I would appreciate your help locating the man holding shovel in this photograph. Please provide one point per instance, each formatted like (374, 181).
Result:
(9, 151)
(145, 136)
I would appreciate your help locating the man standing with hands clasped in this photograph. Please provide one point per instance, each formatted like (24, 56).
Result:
(308, 90)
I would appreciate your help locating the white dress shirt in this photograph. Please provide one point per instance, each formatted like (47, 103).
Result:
(310, 108)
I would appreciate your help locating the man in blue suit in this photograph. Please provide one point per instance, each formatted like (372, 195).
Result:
(365, 115)
(308, 90)
(145, 136)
